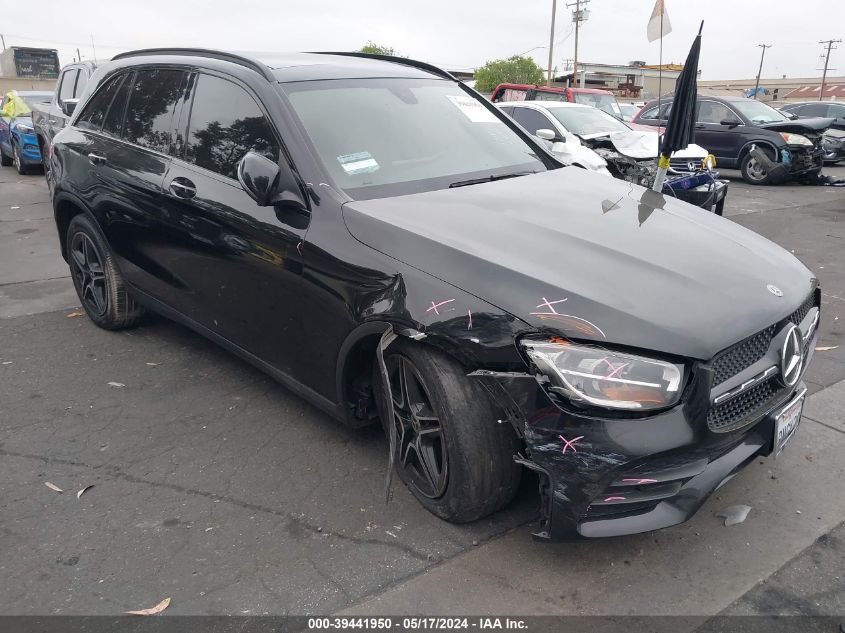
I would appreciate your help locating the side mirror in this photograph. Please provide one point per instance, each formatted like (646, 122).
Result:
(267, 183)
(69, 105)
(548, 135)
(729, 122)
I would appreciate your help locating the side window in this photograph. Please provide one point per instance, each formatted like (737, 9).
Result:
(532, 120)
(81, 81)
(113, 123)
(226, 123)
(815, 109)
(651, 113)
(712, 112)
(68, 82)
(95, 109)
(152, 102)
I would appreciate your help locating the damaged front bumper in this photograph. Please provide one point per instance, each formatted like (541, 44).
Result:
(612, 476)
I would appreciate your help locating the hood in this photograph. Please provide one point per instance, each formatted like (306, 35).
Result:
(25, 120)
(589, 257)
(800, 126)
(639, 144)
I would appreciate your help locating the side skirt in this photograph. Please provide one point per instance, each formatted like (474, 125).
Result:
(335, 410)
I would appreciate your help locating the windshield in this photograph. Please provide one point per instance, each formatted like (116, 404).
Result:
(600, 101)
(587, 121)
(393, 136)
(758, 112)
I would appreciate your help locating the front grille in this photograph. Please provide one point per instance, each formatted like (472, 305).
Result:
(746, 407)
(745, 353)
(682, 164)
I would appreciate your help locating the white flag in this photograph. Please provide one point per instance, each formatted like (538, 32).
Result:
(655, 30)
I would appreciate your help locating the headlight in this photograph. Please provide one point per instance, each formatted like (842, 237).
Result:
(599, 377)
(23, 128)
(795, 139)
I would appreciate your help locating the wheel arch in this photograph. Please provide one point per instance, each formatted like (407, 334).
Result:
(65, 207)
(759, 142)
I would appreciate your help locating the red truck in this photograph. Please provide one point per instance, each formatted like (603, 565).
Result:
(601, 99)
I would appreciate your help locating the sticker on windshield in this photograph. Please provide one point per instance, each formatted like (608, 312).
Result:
(472, 109)
(358, 163)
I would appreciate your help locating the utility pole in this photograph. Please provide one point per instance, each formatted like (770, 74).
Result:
(830, 44)
(762, 55)
(578, 16)
(552, 42)
(94, 50)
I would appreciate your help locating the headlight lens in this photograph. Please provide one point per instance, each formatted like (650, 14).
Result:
(795, 139)
(590, 375)
(23, 128)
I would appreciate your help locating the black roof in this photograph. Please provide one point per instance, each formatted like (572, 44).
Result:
(286, 67)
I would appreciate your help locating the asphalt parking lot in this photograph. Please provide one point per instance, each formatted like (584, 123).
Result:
(216, 487)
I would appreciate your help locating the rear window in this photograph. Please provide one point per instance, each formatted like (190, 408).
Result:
(152, 102)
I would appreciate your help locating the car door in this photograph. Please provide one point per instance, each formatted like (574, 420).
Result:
(716, 130)
(239, 264)
(127, 152)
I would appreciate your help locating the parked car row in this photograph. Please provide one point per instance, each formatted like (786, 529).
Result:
(18, 142)
(394, 248)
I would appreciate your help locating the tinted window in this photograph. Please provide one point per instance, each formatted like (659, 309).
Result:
(651, 113)
(81, 80)
(532, 120)
(68, 80)
(152, 101)
(226, 123)
(815, 109)
(113, 123)
(95, 110)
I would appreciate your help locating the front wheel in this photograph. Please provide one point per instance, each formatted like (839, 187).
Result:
(452, 450)
(18, 159)
(754, 172)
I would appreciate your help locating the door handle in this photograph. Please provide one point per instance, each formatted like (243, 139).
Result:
(183, 188)
(699, 126)
(96, 159)
(52, 121)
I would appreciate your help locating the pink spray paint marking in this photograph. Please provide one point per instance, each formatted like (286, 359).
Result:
(615, 369)
(469, 315)
(615, 499)
(550, 305)
(570, 443)
(639, 481)
(434, 306)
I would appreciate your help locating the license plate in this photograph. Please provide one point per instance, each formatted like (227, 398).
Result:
(787, 421)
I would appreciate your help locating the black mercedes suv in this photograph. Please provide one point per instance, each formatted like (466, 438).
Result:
(388, 245)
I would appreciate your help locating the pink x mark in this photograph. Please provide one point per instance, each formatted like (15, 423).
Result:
(570, 443)
(550, 305)
(434, 306)
(616, 368)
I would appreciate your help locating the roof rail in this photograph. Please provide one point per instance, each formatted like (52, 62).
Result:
(396, 60)
(204, 52)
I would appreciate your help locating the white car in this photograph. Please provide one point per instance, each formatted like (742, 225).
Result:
(585, 136)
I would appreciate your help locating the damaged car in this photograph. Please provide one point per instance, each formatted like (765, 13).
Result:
(766, 145)
(587, 137)
(394, 249)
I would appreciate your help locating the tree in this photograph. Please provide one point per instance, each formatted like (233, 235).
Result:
(375, 49)
(514, 70)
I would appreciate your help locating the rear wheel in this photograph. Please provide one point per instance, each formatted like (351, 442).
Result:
(98, 282)
(451, 450)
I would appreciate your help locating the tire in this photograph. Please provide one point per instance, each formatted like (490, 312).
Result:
(479, 474)
(752, 173)
(5, 161)
(23, 170)
(98, 282)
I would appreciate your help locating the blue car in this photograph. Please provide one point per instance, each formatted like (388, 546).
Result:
(18, 143)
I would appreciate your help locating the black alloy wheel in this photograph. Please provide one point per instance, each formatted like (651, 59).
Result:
(420, 445)
(89, 277)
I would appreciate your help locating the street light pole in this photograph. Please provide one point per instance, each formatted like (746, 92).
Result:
(552, 42)
(760, 70)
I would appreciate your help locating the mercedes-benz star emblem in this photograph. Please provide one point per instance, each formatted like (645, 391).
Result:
(792, 357)
(775, 290)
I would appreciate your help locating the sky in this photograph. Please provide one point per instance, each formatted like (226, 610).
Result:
(455, 34)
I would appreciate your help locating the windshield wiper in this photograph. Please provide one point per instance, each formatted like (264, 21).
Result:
(490, 178)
